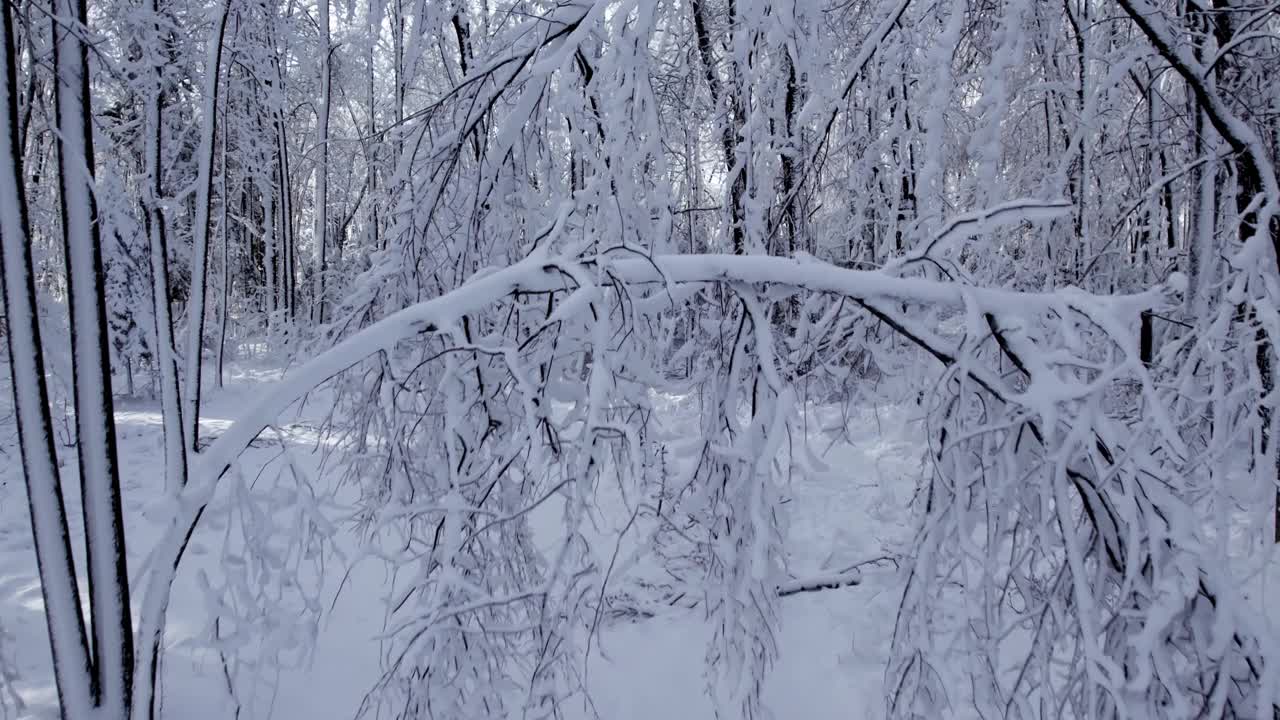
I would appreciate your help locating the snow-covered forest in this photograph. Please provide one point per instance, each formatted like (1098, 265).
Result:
(733, 359)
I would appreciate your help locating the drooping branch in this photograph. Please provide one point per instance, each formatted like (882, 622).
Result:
(543, 273)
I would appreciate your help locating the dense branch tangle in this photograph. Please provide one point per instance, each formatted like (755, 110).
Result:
(488, 381)
(1059, 515)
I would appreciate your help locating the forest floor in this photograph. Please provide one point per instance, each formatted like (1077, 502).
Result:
(833, 644)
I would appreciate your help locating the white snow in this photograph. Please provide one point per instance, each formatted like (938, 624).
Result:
(833, 645)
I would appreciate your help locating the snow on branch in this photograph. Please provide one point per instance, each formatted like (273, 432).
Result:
(585, 279)
(539, 274)
(977, 222)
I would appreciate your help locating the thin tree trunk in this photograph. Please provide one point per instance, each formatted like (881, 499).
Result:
(789, 175)
(154, 221)
(288, 279)
(320, 218)
(1200, 253)
(397, 67)
(200, 230)
(374, 23)
(109, 619)
(1076, 183)
(226, 265)
(269, 256)
(145, 677)
(735, 178)
(72, 670)
(34, 86)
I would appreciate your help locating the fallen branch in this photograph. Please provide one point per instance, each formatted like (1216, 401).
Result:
(830, 581)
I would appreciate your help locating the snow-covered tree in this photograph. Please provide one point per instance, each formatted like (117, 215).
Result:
(496, 235)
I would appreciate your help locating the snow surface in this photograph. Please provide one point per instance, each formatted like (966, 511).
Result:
(833, 643)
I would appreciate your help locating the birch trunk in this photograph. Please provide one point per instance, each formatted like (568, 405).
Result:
(109, 619)
(58, 585)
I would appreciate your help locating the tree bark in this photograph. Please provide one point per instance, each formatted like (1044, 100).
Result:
(154, 222)
(58, 585)
(109, 618)
(224, 231)
(320, 218)
(735, 178)
(200, 230)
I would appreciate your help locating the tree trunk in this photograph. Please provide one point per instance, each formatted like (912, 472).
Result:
(200, 230)
(789, 180)
(320, 218)
(165, 354)
(109, 619)
(145, 678)
(72, 670)
(736, 179)
(374, 22)
(285, 202)
(397, 68)
(226, 261)
(269, 257)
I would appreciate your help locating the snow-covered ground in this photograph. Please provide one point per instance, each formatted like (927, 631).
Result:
(833, 643)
